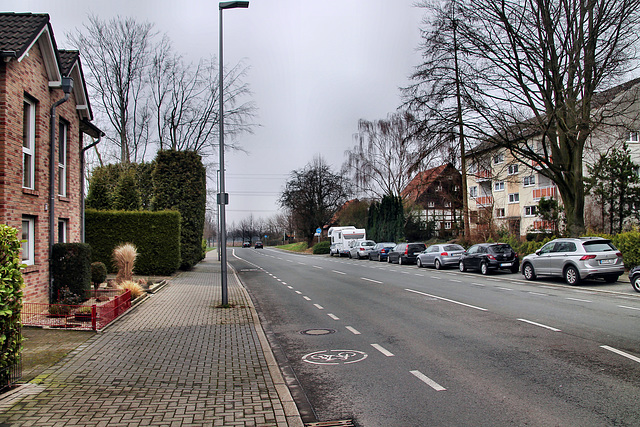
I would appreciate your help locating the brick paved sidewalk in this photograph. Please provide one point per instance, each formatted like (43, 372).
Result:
(175, 360)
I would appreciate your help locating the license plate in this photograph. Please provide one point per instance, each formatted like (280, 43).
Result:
(505, 264)
(607, 261)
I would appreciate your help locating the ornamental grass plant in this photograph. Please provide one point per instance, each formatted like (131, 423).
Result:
(124, 257)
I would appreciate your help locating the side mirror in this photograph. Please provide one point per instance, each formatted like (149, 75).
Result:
(538, 252)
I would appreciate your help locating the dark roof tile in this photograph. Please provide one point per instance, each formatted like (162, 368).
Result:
(19, 30)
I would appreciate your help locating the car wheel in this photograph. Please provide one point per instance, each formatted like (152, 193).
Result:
(462, 267)
(571, 276)
(419, 263)
(635, 282)
(611, 279)
(437, 264)
(484, 268)
(527, 272)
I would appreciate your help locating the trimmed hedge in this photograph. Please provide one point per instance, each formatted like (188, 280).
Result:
(11, 282)
(179, 183)
(156, 235)
(71, 268)
(321, 248)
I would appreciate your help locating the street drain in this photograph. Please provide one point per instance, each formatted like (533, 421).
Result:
(318, 331)
(341, 423)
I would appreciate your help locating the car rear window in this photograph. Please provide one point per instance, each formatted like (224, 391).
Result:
(418, 247)
(602, 246)
(500, 249)
(368, 244)
(453, 248)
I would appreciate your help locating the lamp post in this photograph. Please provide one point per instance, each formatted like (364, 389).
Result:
(223, 198)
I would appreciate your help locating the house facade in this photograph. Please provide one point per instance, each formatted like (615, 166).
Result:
(435, 196)
(40, 181)
(504, 192)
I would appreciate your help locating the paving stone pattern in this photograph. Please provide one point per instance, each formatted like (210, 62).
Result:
(175, 360)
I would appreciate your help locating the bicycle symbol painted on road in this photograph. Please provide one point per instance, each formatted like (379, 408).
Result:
(335, 357)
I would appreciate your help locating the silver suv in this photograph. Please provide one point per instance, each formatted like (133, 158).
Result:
(575, 259)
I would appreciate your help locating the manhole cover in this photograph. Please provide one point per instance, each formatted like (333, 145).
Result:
(318, 331)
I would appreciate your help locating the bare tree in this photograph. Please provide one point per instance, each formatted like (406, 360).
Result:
(313, 195)
(538, 66)
(438, 97)
(117, 55)
(186, 102)
(386, 153)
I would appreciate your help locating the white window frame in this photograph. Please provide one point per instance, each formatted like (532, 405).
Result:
(514, 198)
(498, 158)
(473, 191)
(530, 211)
(447, 225)
(63, 230)
(633, 136)
(29, 145)
(498, 186)
(28, 240)
(513, 169)
(447, 203)
(63, 132)
(500, 213)
(431, 204)
(529, 181)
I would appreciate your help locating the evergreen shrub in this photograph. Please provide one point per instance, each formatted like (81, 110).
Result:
(179, 183)
(71, 268)
(321, 248)
(11, 282)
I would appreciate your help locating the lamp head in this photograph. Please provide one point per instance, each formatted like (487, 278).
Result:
(234, 4)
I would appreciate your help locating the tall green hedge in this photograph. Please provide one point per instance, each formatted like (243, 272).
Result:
(179, 183)
(71, 268)
(156, 235)
(11, 282)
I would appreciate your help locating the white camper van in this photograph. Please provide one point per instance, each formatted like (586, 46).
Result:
(342, 236)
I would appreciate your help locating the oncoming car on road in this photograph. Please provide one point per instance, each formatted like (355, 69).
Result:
(575, 259)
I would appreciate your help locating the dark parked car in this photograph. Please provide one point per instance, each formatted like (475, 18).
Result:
(440, 256)
(380, 251)
(490, 256)
(405, 253)
(259, 245)
(634, 278)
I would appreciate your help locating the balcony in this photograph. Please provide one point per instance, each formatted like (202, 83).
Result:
(483, 175)
(484, 201)
(546, 192)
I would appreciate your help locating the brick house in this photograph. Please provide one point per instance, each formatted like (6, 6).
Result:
(32, 72)
(435, 196)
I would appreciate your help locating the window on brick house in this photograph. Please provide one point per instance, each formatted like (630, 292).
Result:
(62, 158)
(62, 230)
(28, 240)
(28, 144)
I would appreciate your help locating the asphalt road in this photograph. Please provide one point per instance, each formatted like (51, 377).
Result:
(416, 347)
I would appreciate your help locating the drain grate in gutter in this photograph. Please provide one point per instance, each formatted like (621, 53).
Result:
(341, 423)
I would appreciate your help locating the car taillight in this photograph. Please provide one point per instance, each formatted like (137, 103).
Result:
(619, 254)
(444, 254)
(406, 251)
(586, 257)
(491, 257)
(362, 249)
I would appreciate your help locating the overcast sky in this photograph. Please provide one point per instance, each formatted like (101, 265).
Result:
(316, 68)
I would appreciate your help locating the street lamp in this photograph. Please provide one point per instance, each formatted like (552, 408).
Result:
(223, 198)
